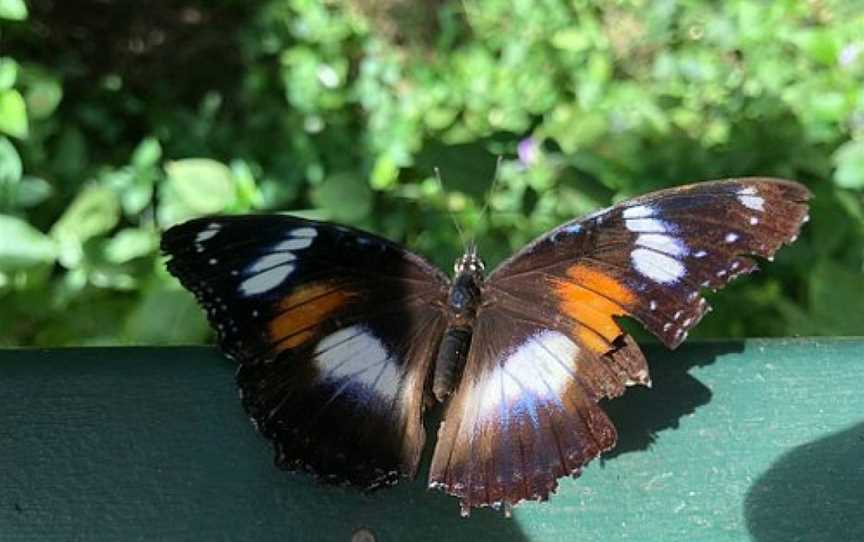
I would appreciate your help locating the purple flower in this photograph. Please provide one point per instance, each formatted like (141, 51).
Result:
(850, 54)
(528, 151)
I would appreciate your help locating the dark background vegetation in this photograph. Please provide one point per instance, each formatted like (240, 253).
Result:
(119, 118)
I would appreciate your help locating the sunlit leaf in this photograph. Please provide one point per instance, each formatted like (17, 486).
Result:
(131, 243)
(849, 159)
(202, 185)
(10, 163)
(15, 10)
(94, 211)
(13, 114)
(8, 72)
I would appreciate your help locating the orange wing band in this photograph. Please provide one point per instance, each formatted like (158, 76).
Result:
(304, 310)
(592, 298)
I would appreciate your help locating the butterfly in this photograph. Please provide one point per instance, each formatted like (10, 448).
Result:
(343, 339)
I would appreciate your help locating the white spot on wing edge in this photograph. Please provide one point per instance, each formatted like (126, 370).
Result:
(657, 267)
(266, 281)
(731, 237)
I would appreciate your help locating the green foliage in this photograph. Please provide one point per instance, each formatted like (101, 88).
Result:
(114, 127)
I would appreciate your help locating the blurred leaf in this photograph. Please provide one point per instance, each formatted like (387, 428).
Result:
(15, 10)
(10, 163)
(849, 159)
(248, 195)
(837, 299)
(8, 72)
(202, 185)
(13, 114)
(32, 191)
(23, 246)
(384, 173)
(345, 197)
(166, 315)
(131, 243)
(94, 211)
(70, 153)
(147, 153)
(43, 95)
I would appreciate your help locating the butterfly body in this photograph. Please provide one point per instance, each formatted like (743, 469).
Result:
(463, 300)
(342, 337)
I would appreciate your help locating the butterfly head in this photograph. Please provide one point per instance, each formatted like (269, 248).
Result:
(469, 262)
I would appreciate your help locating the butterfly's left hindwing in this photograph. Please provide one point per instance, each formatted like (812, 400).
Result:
(334, 330)
(546, 346)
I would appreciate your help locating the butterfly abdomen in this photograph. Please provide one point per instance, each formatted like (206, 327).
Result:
(465, 296)
(451, 359)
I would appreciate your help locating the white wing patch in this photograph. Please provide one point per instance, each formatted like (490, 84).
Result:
(293, 244)
(272, 269)
(271, 260)
(359, 362)
(262, 282)
(748, 198)
(638, 211)
(657, 267)
(647, 225)
(208, 233)
(537, 371)
(662, 243)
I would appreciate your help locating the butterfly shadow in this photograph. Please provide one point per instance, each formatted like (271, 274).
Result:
(813, 492)
(642, 413)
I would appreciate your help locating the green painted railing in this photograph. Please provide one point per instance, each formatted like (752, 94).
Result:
(758, 440)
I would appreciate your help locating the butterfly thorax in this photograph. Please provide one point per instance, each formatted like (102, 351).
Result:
(462, 303)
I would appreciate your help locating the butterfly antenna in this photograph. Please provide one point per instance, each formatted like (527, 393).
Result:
(492, 187)
(449, 212)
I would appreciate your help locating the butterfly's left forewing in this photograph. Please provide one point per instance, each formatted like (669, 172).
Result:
(546, 346)
(334, 330)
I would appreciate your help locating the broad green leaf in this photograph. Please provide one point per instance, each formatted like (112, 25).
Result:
(8, 72)
(344, 197)
(14, 10)
(203, 186)
(13, 114)
(849, 159)
(23, 246)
